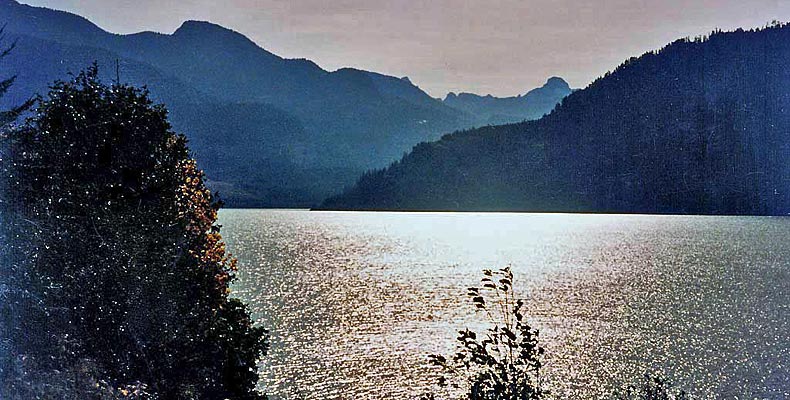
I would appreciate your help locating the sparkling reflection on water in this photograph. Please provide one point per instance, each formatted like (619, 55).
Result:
(355, 301)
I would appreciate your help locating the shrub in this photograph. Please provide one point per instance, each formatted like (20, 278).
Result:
(504, 363)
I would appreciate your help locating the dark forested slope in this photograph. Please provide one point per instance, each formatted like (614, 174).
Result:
(701, 126)
(304, 132)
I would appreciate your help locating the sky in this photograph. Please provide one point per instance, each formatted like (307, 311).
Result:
(499, 47)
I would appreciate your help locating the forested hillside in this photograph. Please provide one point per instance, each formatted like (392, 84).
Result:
(302, 133)
(700, 126)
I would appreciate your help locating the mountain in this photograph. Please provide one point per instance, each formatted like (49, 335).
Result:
(270, 131)
(701, 126)
(489, 110)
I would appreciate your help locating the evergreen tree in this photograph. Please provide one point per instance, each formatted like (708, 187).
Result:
(115, 235)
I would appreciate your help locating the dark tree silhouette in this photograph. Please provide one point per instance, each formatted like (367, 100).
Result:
(114, 240)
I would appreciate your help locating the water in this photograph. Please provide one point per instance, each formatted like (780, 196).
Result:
(356, 301)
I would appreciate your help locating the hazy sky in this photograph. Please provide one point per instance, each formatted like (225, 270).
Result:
(502, 47)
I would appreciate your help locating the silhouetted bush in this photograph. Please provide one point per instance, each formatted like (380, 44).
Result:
(504, 363)
(120, 275)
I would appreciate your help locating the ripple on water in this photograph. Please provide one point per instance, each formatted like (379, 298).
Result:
(355, 301)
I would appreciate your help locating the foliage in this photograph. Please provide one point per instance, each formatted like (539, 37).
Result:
(504, 363)
(113, 238)
(10, 289)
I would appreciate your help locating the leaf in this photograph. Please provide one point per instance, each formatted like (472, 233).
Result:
(437, 360)
(510, 335)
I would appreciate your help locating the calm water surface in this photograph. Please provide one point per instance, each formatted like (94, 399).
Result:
(355, 301)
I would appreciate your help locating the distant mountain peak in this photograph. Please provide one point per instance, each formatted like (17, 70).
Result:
(492, 110)
(46, 22)
(210, 35)
(553, 83)
(558, 83)
(202, 27)
(653, 136)
(203, 30)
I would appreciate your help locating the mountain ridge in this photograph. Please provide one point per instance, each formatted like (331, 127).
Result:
(697, 127)
(491, 110)
(335, 124)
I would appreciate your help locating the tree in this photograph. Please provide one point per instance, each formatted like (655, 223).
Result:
(115, 232)
(12, 291)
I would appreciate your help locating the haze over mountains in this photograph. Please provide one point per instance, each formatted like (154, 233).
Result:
(699, 127)
(268, 131)
(492, 110)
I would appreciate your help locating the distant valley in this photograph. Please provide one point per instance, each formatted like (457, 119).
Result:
(490, 110)
(269, 131)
